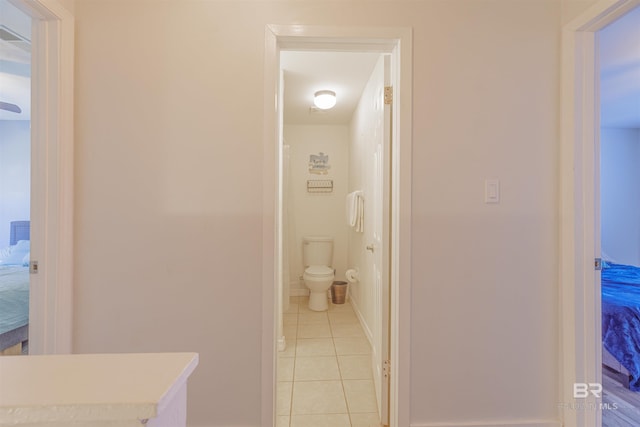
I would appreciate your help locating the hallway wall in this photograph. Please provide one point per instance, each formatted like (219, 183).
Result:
(168, 209)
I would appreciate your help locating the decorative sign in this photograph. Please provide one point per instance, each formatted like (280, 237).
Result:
(319, 164)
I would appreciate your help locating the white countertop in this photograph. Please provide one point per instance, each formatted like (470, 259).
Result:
(58, 388)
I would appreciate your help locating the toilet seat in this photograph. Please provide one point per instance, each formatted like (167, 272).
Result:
(318, 271)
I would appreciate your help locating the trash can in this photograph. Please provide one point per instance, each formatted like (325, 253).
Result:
(338, 292)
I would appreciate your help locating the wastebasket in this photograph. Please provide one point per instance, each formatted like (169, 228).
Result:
(338, 292)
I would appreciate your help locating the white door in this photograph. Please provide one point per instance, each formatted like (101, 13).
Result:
(379, 248)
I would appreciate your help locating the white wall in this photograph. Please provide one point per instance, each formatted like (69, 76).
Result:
(619, 73)
(620, 194)
(169, 131)
(15, 174)
(317, 213)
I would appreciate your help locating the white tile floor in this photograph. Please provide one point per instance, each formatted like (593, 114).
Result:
(324, 375)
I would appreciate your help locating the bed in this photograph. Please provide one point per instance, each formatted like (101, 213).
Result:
(621, 320)
(14, 289)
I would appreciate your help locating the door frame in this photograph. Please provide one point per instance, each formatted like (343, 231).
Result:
(51, 290)
(580, 335)
(373, 39)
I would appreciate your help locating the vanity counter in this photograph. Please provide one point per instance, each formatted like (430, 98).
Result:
(95, 390)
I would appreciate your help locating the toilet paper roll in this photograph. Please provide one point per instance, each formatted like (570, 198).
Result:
(352, 275)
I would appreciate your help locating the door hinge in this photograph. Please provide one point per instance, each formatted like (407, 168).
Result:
(386, 368)
(33, 267)
(598, 264)
(388, 95)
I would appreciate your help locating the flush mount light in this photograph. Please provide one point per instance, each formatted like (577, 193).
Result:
(324, 99)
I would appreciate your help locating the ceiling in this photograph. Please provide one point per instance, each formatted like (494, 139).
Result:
(15, 61)
(620, 72)
(345, 73)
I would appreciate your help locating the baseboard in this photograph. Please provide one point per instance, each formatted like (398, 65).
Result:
(298, 292)
(364, 325)
(514, 423)
(471, 424)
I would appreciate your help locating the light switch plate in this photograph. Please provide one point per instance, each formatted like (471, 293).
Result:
(492, 190)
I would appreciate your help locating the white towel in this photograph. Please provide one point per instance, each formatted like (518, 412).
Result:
(355, 210)
(352, 206)
(360, 215)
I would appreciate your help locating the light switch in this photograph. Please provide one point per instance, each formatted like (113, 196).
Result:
(492, 190)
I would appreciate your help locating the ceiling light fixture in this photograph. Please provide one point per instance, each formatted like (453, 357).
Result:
(324, 99)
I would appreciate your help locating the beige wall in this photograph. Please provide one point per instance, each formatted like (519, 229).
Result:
(70, 5)
(168, 195)
(573, 8)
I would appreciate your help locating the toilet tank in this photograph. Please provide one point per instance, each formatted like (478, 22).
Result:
(317, 250)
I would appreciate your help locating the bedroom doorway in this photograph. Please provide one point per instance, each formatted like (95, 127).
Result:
(396, 43)
(580, 278)
(15, 178)
(619, 175)
(51, 177)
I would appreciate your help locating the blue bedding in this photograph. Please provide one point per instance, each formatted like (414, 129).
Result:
(621, 317)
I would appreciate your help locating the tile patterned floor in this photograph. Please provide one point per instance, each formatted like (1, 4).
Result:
(324, 375)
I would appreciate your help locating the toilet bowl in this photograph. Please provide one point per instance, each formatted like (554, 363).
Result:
(318, 278)
(317, 255)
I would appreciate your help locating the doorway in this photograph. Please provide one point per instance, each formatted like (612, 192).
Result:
(51, 204)
(396, 44)
(332, 369)
(15, 174)
(580, 212)
(617, 222)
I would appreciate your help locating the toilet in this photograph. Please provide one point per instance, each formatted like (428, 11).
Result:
(317, 255)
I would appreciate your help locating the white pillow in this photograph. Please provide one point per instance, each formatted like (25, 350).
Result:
(17, 253)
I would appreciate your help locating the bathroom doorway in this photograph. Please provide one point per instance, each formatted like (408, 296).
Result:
(331, 167)
(330, 366)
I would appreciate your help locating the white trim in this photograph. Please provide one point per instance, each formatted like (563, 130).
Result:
(365, 327)
(580, 340)
(379, 39)
(528, 423)
(269, 227)
(50, 312)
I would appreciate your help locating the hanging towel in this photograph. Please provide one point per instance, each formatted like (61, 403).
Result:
(352, 206)
(360, 214)
(355, 210)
